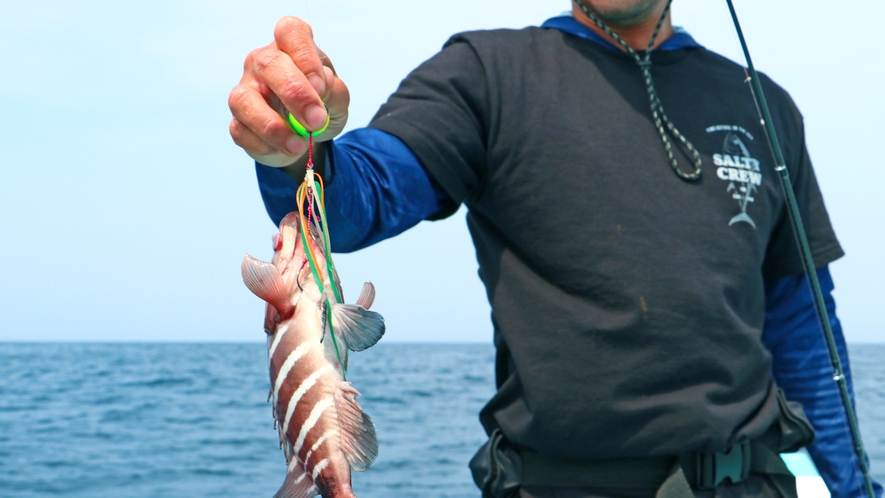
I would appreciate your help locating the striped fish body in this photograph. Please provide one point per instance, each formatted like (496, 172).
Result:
(323, 431)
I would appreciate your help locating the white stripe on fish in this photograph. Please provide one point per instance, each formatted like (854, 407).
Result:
(311, 421)
(319, 468)
(287, 366)
(320, 441)
(296, 396)
(276, 340)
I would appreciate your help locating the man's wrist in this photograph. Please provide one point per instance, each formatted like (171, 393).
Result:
(318, 157)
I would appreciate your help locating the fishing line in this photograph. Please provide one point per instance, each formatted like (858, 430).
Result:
(805, 253)
(312, 194)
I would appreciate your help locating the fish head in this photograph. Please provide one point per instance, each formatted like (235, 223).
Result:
(282, 281)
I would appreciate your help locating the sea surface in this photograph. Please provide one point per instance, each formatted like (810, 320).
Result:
(187, 420)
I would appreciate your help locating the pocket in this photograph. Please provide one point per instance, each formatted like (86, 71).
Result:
(796, 430)
(497, 468)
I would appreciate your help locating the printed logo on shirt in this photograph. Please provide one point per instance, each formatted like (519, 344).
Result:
(739, 168)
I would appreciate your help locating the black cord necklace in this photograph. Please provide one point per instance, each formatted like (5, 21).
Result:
(657, 109)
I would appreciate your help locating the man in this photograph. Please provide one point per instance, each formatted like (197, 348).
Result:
(646, 291)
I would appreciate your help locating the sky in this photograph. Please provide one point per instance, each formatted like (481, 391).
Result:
(125, 208)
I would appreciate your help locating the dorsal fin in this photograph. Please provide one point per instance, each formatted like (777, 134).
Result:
(263, 279)
(367, 296)
(358, 327)
(358, 439)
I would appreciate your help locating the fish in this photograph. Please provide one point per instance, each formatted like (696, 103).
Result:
(323, 431)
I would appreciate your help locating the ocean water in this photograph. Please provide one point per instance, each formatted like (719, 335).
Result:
(185, 420)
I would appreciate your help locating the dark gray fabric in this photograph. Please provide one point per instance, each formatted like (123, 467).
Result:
(497, 468)
(628, 304)
(756, 485)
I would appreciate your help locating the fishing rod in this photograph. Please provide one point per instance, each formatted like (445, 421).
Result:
(805, 254)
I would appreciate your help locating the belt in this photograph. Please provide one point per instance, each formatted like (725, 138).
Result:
(700, 470)
(708, 470)
(500, 468)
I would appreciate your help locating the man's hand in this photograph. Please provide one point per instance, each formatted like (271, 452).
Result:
(289, 75)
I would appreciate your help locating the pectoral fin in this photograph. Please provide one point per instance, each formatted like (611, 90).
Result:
(358, 327)
(263, 279)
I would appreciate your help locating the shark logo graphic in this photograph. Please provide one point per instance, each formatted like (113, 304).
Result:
(744, 193)
(739, 168)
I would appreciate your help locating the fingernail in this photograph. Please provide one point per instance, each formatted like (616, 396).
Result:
(330, 77)
(315, 117)
(317, 83)
(295, 146)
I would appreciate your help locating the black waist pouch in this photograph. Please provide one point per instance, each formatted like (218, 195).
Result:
(497, 468)
(795, 429)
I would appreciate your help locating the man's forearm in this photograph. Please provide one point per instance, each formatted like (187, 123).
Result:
(802, 368)
(376, 188)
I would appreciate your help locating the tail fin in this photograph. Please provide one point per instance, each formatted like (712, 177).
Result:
(742, 217)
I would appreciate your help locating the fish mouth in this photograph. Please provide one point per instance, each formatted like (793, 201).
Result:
(291, 259)
(291, 244)
(290, 240)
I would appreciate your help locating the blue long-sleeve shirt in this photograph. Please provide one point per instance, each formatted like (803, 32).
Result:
(382, 190)
(802, 368)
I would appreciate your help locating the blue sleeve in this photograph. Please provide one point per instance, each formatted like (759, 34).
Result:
(802, 368)
(378, 189)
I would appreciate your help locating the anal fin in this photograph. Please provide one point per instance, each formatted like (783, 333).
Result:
(298, 483)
